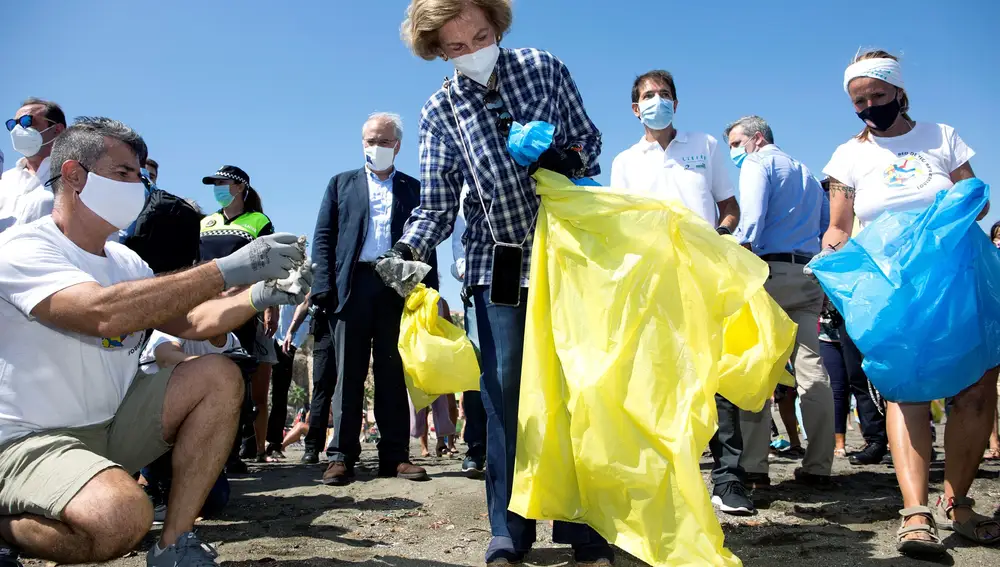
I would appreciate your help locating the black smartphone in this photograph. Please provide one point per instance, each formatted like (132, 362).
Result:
(505, 288)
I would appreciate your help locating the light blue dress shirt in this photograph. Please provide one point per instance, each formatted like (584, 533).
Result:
(285, 316)
(379, 238)
(783, 208)
(458, 249)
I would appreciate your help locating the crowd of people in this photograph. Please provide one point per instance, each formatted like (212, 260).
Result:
(128, 399)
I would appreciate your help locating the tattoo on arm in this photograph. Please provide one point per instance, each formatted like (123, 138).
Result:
(838, 187)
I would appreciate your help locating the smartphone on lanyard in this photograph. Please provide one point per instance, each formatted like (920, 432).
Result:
(505, 286)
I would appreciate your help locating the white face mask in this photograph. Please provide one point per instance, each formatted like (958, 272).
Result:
(27, 141)
(478, 66)
(379, 158)
(118, 202)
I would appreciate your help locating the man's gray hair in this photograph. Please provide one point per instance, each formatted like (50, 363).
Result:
(397, 121)
(84, 142)
(751, 125)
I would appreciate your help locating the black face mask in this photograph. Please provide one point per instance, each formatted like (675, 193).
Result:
(882, 116)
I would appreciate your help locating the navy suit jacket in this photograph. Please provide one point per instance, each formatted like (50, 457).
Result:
(341, 229)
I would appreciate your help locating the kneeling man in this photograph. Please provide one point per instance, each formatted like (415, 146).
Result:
(76, 418)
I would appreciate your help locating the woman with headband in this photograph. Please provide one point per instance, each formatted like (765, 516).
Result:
(897, 164)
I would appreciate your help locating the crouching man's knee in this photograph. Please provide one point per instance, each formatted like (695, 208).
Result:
(221, 378)
(111, 514)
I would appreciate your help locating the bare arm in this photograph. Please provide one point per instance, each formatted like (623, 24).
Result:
(127, 307)
(729, 214)
(169, 354)
(212, 318)
(963, 172)
(300, 315)
(841, 215)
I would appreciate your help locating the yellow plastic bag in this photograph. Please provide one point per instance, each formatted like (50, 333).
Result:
(752, 337)
(438, 357)
(622, 353)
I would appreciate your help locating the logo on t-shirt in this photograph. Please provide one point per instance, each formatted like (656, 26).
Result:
(694, 162)
(114, 342)
(908, 170)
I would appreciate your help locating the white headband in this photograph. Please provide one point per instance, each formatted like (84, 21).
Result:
(884, 69)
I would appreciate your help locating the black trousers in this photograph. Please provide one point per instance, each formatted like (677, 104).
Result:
(872, 419)
(324, 378)
(367, 330)
(281, 380)
(727, 444)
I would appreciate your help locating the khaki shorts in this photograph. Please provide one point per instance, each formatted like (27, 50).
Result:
(40, 473)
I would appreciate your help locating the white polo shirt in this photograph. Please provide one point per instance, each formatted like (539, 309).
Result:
(23, 195)
(691, 170)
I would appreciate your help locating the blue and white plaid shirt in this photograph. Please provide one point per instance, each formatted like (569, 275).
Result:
(534, 85)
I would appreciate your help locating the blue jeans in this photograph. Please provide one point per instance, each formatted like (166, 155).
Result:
(472, 402)
(501, 338)
(833, 360)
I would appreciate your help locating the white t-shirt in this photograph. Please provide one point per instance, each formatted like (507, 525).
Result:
(23, 195)
(52, 378)
(901, 173)
(691, 170)
(147, 361)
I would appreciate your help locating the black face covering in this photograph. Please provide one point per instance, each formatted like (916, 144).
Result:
(882, 116)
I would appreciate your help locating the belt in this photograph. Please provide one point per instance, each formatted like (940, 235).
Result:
(787, 257)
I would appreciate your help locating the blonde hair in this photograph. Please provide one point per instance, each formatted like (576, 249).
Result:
(425, 18)
(904, 100)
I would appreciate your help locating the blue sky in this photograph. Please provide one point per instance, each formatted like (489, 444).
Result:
(282, 88)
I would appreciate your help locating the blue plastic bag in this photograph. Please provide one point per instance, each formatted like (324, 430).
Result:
(527, 142)
(920, 294)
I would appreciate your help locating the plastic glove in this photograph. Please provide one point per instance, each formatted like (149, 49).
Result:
(823, 254)
(268, 257)
(267, 294)
(526, 143)
(399, 270)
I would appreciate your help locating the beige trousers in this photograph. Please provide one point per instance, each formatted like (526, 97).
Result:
(802, 299)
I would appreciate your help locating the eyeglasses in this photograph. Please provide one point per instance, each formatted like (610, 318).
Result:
(25, 121)
(494, 103)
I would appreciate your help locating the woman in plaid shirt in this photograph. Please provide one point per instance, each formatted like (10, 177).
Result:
(464, 132)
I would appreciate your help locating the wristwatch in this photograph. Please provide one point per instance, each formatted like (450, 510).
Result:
(724, 230)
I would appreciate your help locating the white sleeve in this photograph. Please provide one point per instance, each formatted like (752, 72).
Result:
(32, 269)
(722, 187)
(960, 152)
(156, 339)
(618, 178)
(841, 167)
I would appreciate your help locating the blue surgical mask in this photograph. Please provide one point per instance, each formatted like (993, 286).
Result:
(656, 113)
(222, 195)
(738, 155)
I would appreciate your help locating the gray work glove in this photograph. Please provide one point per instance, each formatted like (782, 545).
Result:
(269, 294)
(807, 270)
(400, 271)
(267, 258)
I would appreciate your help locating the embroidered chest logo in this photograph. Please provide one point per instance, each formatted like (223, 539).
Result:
(908, 170)
(694, 162)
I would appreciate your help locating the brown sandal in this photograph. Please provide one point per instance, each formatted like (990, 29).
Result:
(907, 546)
(970, 528)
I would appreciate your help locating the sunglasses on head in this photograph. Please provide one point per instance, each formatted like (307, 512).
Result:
(25, 121)
(504, 120)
